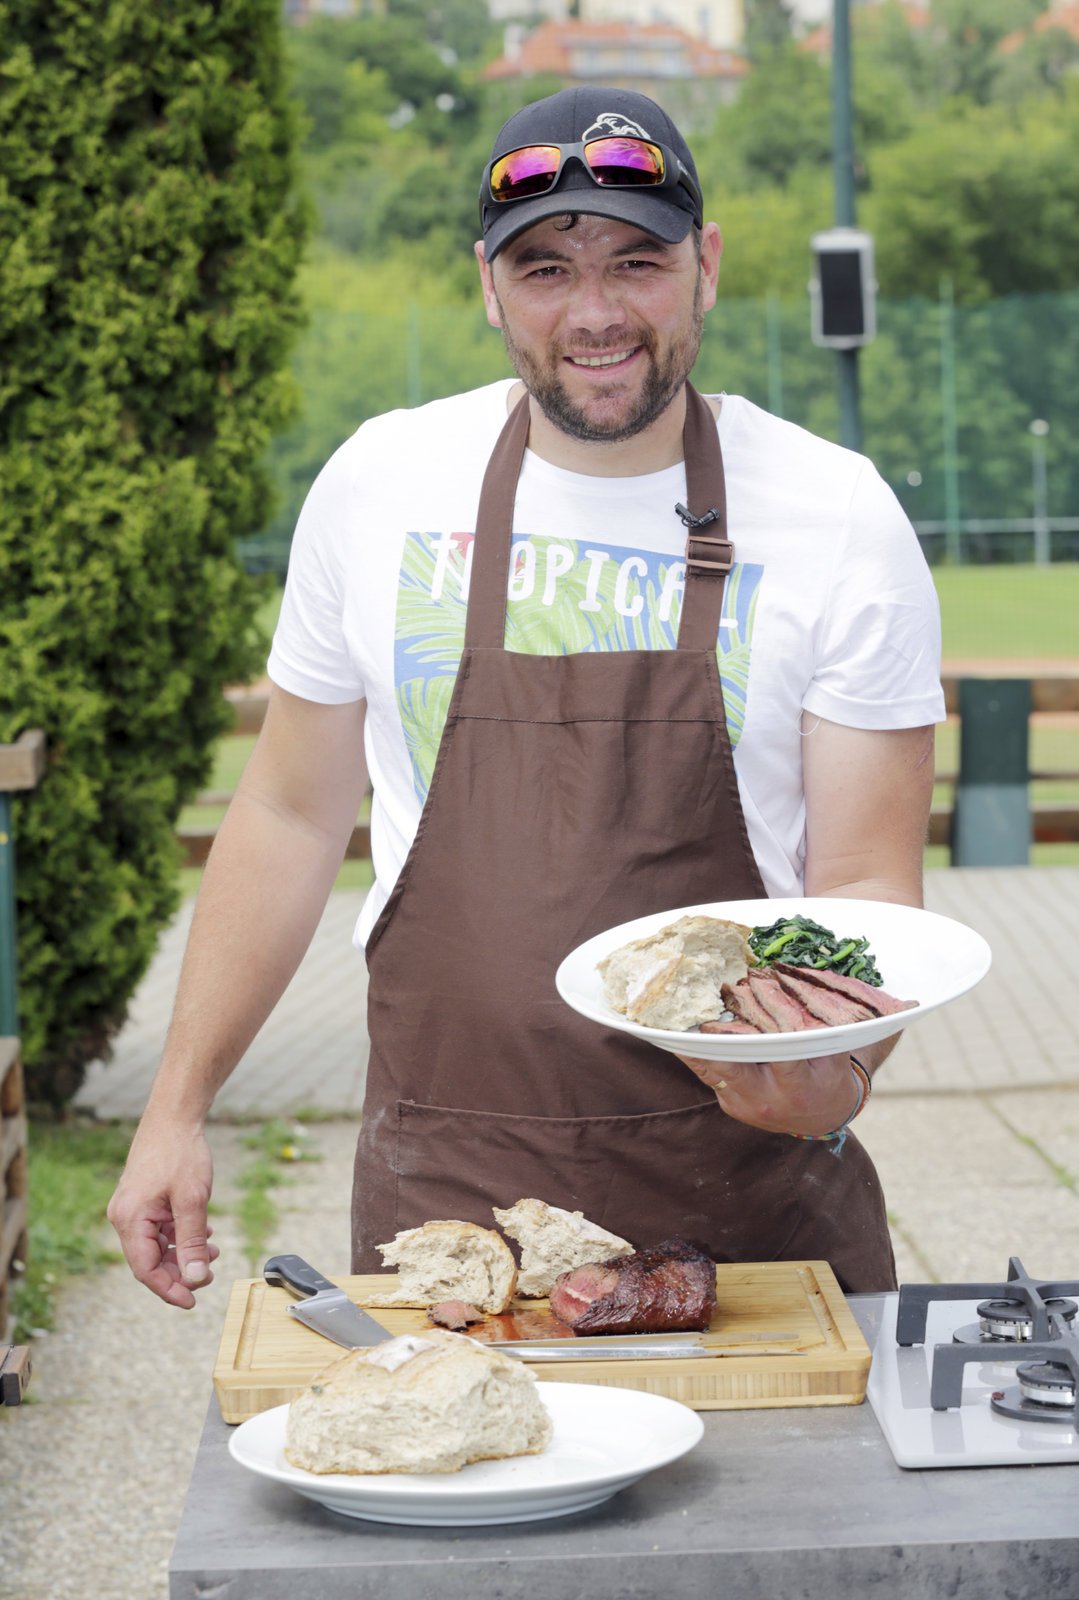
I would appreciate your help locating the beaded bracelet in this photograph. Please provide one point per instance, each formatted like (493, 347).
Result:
(839, 1135)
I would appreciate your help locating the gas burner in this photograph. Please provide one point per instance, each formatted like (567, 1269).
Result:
(1038, 1298)
(1025, 1321)
(1011, 1321)
(1045, 1393)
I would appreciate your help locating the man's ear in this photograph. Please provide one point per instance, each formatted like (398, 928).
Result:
(490, 299)
(711, 251)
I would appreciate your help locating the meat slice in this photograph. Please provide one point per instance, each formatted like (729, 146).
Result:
(669, 1286)
(737, 1026)
(740, 999)
(453, 1314)
(787, 1012)
(835, 1010)
(880, 1003)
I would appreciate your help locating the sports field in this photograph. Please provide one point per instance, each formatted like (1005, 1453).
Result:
(1009, 613)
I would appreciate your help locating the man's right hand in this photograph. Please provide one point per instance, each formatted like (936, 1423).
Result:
(159, 1211)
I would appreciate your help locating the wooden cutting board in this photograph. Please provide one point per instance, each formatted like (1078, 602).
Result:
(796, 1307)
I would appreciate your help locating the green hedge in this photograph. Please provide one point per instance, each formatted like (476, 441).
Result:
(149, 239)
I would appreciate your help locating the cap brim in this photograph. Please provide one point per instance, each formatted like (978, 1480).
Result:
(637, 207)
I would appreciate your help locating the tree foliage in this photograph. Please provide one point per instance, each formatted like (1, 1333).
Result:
(149, 238)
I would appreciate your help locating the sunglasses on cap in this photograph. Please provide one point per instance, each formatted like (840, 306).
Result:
(613, 163)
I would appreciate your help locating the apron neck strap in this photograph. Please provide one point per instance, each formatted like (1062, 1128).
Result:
(709, 553)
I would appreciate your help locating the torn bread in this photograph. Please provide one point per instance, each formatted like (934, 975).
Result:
(554, 1241)
(674, 978)
(449, 1261)
(428, 1402)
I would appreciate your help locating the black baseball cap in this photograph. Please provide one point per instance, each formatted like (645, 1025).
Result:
(571, 117)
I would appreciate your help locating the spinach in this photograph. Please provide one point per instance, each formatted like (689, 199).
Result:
(804, 943)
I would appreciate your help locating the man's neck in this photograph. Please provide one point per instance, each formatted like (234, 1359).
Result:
(655, 447)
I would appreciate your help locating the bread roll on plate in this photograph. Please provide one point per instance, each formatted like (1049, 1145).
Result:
(449, 1261)
(554, 1241)
(429, 1402)
(674, 978)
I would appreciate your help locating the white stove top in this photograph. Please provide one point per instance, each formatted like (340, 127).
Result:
(972, 1435)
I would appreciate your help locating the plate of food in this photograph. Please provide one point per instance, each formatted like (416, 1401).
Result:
(594, 1442)
(772, 980)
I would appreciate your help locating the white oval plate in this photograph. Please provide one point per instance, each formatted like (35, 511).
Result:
(604, 1440)
(921, 956)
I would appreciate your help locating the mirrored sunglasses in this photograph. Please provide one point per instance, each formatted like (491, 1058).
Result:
(616, 163)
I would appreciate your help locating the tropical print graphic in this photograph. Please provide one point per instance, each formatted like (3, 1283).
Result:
(565, 596)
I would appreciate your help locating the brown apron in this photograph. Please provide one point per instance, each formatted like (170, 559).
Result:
(570, 794)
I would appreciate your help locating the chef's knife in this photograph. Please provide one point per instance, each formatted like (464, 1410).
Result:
(323, 1307)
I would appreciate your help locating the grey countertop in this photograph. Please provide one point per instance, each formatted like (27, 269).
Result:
(804, 1503)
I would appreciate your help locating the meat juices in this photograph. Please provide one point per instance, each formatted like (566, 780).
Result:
(667, 1288)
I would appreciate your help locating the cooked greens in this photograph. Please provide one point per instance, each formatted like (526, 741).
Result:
(804, 943)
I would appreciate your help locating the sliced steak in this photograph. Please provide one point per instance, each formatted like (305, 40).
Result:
(880, 1003)
(668, 1287)
(737, 1026)
(453, 1314)
(835, 1010)
(787, 1012)
(740, 999)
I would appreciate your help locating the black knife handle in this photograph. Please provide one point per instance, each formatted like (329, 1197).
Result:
(293, 1272)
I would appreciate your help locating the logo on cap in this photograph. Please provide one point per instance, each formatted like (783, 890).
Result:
(612, 124)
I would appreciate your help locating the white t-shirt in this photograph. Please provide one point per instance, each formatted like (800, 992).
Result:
(829, 608)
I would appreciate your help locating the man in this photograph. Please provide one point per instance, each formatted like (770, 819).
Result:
(575, 715)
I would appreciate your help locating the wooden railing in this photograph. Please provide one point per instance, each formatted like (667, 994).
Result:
(1054, 694)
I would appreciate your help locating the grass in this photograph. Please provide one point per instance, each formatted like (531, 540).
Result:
(274, 1147)
(74, 1166)
(1009, 613)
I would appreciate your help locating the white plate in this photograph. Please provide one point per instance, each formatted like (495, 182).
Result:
(921, 956)
(604, 1440)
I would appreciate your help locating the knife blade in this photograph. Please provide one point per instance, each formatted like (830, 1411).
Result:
(323, 1307)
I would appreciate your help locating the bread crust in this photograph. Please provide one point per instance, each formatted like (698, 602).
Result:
(429, 1402)
(553, 1241)
(674, 978)
(449, 1260)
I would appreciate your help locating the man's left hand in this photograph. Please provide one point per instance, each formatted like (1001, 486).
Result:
(815, 1096)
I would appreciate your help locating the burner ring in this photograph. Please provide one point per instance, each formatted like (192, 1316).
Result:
(1013, 1319)
(1047, 1383)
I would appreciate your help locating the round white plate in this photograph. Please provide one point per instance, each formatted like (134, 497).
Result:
(604, 1440)
(921, 956)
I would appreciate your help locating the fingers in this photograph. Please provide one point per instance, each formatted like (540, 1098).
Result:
(160, 1211)
(797, 1097)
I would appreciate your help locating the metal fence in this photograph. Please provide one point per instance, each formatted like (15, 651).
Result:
(970, 413)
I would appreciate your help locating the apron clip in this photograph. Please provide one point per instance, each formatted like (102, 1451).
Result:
(706, 552)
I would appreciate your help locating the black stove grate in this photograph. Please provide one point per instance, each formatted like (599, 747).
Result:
(1053, 1337)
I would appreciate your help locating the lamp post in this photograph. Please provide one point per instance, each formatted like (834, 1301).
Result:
(1039, 432)
(850, 420)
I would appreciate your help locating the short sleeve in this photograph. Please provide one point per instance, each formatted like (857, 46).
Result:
(878, 658)
(309, 656)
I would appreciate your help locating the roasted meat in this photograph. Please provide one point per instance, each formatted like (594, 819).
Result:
(879, 1003)
(786, 999)
(453, 1314)
(663, 1289)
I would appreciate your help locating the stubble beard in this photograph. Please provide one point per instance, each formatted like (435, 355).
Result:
(662, 383)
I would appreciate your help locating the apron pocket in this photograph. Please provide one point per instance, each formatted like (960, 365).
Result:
(692, 1172)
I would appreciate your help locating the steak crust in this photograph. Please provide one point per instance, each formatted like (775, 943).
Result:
(666, 1288)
